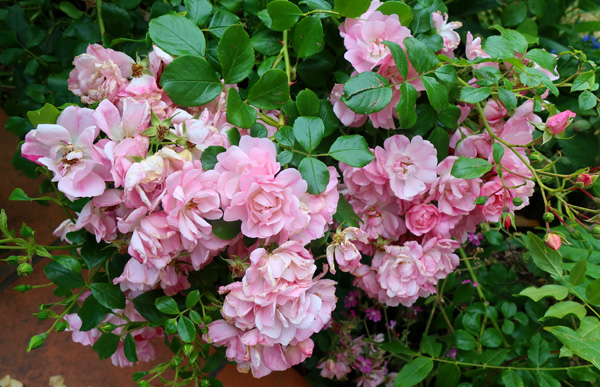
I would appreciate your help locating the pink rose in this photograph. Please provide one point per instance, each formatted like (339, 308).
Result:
(446, 30)
(559, 122)
(553, 240)
(99, 73)
(344, 251)
(370, 183)
(422, 218)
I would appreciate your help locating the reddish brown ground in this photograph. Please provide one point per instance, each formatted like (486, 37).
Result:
(60, 356)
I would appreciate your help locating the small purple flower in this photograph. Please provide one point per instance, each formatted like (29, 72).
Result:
(467, 281)
(452, 353)
(475, 284)
(586, 38)
(352, 313)
(596, 46)
(416, 309)
(373, 314)
(392, 324)
(364, 365)
(351, 299)
(475, 238)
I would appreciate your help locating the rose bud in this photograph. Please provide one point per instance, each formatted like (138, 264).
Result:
(553, 241)
(585, 179)
(559, 122)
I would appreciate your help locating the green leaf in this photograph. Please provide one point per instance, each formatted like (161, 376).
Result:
(508, 309)
(491, 338)
(544, 379)
(474, 94)
(403, 11)
(440, 138)
(538, 351)
(130, 349)
(582, 374)
(106, 345)
(512, 379)
(556, 291)
(308, 37)
(352, 150)
(309, 132)
(64, 271)
(498, 47)
(70, 10)
(145, 304)
(283, 14)
(220, 21)
(226, 230)
(266, 42)
(177, 35)
(464, 340)
(271, 91)
(108, 295)
(94, 253)
(18, 195)
(238, 113)
(592, 291)
(285, 136)
(421, 57)
(167, 305)
(345, 214)
(436, 93)
(508, 98)
(47, 114)
(584, 348)
(307, 103)
(233, 134)
(367, 93)
(584, 81)
(544, 257)
(508, 327)
(116, 20)
(396, 347)
(543, 58)
(198, 11)
(564, 308)
(236, 54)
(258, 130)
(447, 73)
(577, 275)
(186, 329)
(91, 314)
(399, 56)
(448, 375)
(470, 168)
(195, 317)
(515, 39)
(514, 13)
(192, 299)
(587, 100)
(209, 156)
(315, 173)
(497, 152)
(414, 372)
(406, 106)
(351, 8)
(191, 81)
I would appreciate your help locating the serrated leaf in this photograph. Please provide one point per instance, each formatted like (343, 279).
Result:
(544, 257)
(238, 113)
(130, 349)
(309, 132)
(586, 349)
(367, 93)
(308, 37)
(352, 150)
(108, 295)
(577, 275)
(470, 168)
(209, 156)
(413, 372)
(191, 81)
(177, 35)
(167, 304)
(474, 94)
(236, 54)
(399, 57)
(421, 57)
(315, 173)
(271, 91)
(406, 106)
(558, 292)
(436, 93)
(106, 345)
(186, 330)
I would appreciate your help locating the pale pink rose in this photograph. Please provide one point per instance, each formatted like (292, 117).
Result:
(559, 122)
(174, 279)
(518, 130)
(331, 368)
(157, 61)
(145, 88)
(137, 277)
(410, 165)
(390, 72)
(370, 183)
(494, 112)
(129, 122)
(385, 118)
(342, 111)
(379, 220)
(467, 224)
(120, 156)
(401, 274)
(190, 199)
(344, 251)
(207, 247)
(267, 205)
(363, 37)
(473, 48)
(99, 215)
(154, 242)
(242, 165)
(496, 202)
(67, 149)
(422, 218)
(99, 73)
(201, 133)
(446, 30)
(63, 229)
(440, 251)
(454, 196)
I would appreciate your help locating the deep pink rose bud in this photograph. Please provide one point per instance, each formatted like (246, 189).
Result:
(585, 179)
(559, 122)
(553, 241)
(507, 221)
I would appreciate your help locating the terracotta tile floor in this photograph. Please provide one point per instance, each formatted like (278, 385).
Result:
(79, 365)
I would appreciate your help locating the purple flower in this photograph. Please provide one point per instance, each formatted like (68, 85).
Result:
(586, 38)
(392, 324)
(467, 281)
(373, 314)
(475, 238)
(364, 365)
(351, 299)
(452, 353)
(475, 284)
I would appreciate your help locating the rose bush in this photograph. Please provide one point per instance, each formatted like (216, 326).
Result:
(231, 185)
